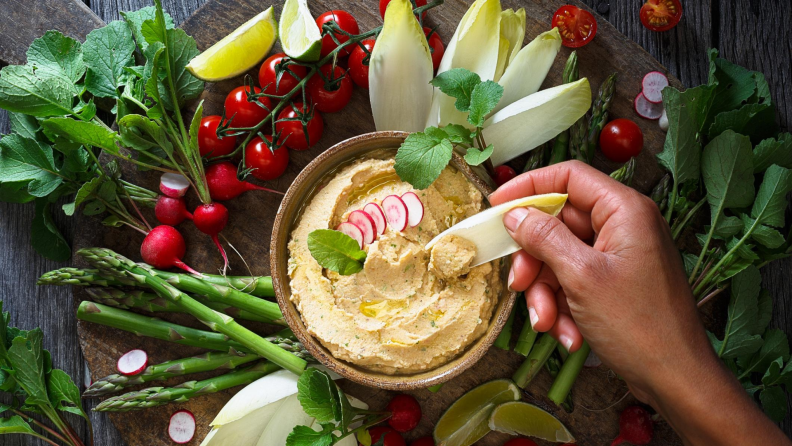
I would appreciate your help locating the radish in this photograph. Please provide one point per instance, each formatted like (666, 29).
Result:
(396, 212)
(211, 219)
(646, 109)
(663, 122)
(653, 84)
(163, 248)
(415, 209)
(353, 231)
(635, 427)
(224, 184)
(174, 185)
(181, 428)
(132, 362)
(366, 224)
(171, 211)
(376, 214)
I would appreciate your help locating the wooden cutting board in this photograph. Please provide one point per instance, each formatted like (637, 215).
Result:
(253, 213)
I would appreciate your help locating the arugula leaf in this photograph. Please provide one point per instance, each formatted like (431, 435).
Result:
(24, 90)
(45, 237)
(305, 436)
(728, 227)
(739, 120)
(15, 425)
(57, 55)
(86, 133)
(135, 21)
(23, 159)
(773, 151)
(765, 235)
(459, 83)
(316, 393)
(735, 85)
(775, 346)
(774, 403)
(739, 337)
(141, 133)
(771, 201)
(107, 51)
(475, 157)
(336, 251)
(27, 359)
(483, 100)
(64, 394)
(681, 154)
(421, 159)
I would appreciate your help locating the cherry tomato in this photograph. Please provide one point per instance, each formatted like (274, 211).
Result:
(577, 26)
(293, 133)
(358, 71)
(331, 90)
(503, 174)
(209, 144)
(620, 140)
(406, 413)
(244, 113)
(436, 45)
(424, 441)
(384, 5)
(392, 438)
(345, 21)
(661, 15)
(520, 442)
(275, 64)
(267, 160)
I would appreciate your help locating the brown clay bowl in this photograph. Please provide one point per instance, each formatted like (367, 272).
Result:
(371, 145)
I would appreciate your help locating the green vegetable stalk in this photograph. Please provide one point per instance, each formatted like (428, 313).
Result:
(568, 374)
(504, 338)
(553, 366)
(526, 340)
(599, 115)
(560, 150)
(535, 361)
(625, 173)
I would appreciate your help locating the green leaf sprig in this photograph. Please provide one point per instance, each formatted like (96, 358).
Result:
(336, 251)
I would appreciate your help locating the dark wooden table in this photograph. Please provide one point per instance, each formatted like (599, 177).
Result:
(753, 33)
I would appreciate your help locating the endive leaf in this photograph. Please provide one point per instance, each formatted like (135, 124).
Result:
(512, 31)
(244, 431)
(289, 414)
(535, 119)
(271, 388)
(528, 70)
(400, 71)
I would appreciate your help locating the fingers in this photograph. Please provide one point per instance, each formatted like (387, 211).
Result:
(578, 222)
(566, 333)
(523, 271)
(542, 310)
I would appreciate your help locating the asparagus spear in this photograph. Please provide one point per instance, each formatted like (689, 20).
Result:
(560, 150)
(257, 286)
(526, 340)
(504, 338)
(535, 361)
(537, 158)
(82, 277)
(577, 140)
(553, 365)
(568, 374)
(660, 192)
(599, 115)
(625, 173)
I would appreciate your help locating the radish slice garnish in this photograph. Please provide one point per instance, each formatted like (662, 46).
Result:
(396, 212)
(592, 360)
(646, 109)
(132, 363)
(87, 381)
(173, 185)
(376, 214)
(653, 84)
(415, 209)
(181, 428)
(366, 224)
(353, 231)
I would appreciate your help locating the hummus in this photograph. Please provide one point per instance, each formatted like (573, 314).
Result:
(408, 310)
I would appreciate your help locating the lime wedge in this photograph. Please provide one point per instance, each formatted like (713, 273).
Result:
(518, 418)
(237, 52)
(465, 422)
(301, 39)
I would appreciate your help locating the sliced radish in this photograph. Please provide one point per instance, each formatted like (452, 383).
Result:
(646, 109)
(376, 214)
(415, 208)
(173, 185)
(353, 231)
(366, 224)
(396, 212)
(181, 428)
(592, 360)
(653, 84)
(133, 362)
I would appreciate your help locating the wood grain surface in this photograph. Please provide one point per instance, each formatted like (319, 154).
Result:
(740, 28)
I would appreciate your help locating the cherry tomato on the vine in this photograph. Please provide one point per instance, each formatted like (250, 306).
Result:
(358, 71)
(268, 160)
(209, 144)
(620, 140)
(293, 133)
(244, 113)
(291, 75)
(406, 413)
(330, 90)
(392, 438)
(424, 441)
(661, 15)
(577, 26)
(520, 442)
(503, 174)
(436, 45)
(384, 5)
(346, 22)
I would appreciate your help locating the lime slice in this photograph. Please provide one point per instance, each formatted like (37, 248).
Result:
(237, 52)
(301, 39)
(518, 418)
(465, 422)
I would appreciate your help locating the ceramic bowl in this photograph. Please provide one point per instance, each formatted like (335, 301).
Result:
(371, 145)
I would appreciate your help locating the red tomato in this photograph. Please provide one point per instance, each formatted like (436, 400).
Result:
(244, 113)
(293, 133)
(577, 26)
(503, 174)
(520, 442)
(345, 21)
(620, 140)
(406, 413)
(436, 45)
(209, 144)
(358, 71)
(267, 160)
(418, 4)
(424, 441)
(331, 90)
(274, 65)
(392, 438)
(661, 15)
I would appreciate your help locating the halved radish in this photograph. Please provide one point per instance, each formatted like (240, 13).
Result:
(396, 212)
(653, 84)
(133, 362)
(376, 214)
(174, 185)
(415, 209)
(366, 224)
(353, 231)
(181, 428)
(646, 109)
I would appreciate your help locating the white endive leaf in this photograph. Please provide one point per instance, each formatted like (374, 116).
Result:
(266, 390)
(400, 71)
(512, 31)
(475, 47)
(486, 229)
(528, 70)
(535, 119)
(289, 414)
(244, 431)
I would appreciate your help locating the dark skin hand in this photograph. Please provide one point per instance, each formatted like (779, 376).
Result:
(607, 270)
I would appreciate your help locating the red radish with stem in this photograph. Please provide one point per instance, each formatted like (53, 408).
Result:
(353, 231)
(653, 84)
(174, 185)
(503, 174)
(181, 428)
(171, 211)
(635, 427)
(366, 224)
(163, 248)
(221, 178)
(211, 219)
(415, 209)
(646, 109)
(396, 212)
(376, 214)
(132, 362)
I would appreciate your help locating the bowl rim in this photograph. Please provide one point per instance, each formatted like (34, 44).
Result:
(280, 281)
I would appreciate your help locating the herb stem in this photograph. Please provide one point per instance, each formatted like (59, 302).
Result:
(680, 225)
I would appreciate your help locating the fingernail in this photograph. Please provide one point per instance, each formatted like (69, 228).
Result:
(514, 217)
(533, 316)
(511, 279)
(566, 341)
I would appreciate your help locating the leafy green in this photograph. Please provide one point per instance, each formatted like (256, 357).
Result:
(107, 51)
(27, 359)
(83, 132)
(728, 173)
(681, 153)
(316, 392)
(336, 251)
(64, 394)
(483, 100)
(459, 83)
(421, 159)
(741, 337)
(773, 151)
(475, 157)
(305, 436)
(41, 94)
(15, 425)
(770, 204)
(143, 134)
(58, 55)
(23, 159)
(774, 403)
(45, 237)
(135, 21)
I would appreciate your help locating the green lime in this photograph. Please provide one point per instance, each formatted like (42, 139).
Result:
(518, 418)
(300, 38)
(465, 421)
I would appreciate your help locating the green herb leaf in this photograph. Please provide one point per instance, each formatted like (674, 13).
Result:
(681, 153)
(107, 51)
(336, 251)
(24, 90)
(15, 425)
(305, 436)
(744, 120)
(773, 151)
(775, 346)
(735, 85)
(765, 235)
(739, 338)
(728, 173)
(135, 21)
(23, 159)
(459, 83)
(57, 55)
(342, 409)
(29, 127)
(483, 100)
(475, 157)
(141, 133)
(456, 133)
(771, 201)
(728, 227)
(421, 159)
(27, 361)
(774, 403)
(15, 192)
(64, 394)
(315, 390)
(45, 237)
(86, 133)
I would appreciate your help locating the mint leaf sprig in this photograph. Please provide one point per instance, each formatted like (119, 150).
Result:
(336, 251)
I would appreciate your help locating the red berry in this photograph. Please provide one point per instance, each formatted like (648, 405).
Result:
(635, 427)
(503, 174)
(392, 438)
(406, 413)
